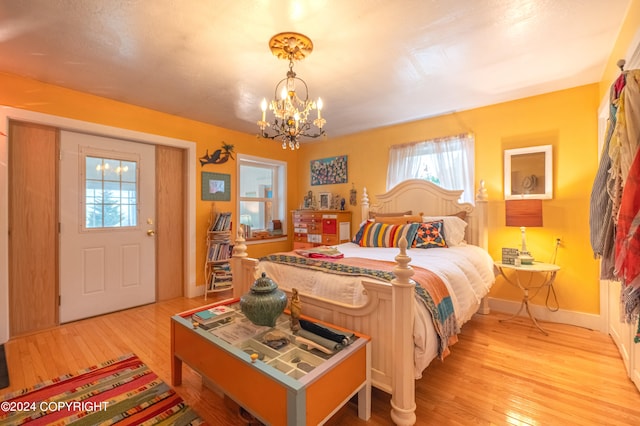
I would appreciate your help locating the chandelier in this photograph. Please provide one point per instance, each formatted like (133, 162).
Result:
(291, 107)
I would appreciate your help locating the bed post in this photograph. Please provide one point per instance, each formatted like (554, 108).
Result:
(481, 216)
(364, 208)
(403, 400)
(482, 233)
(239, 253)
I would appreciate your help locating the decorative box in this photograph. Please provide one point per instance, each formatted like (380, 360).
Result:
(509, 255)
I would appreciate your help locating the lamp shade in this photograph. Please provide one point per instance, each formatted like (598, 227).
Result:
(523, 212)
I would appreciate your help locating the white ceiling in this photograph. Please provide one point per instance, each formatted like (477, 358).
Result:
(375, 62)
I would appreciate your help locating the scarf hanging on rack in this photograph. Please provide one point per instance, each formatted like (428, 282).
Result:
(615, 199)
(601, 218)
(626, 172)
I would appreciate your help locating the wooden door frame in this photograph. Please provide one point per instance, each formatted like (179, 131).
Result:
(9, 113)
(170, 190)
(33, 258)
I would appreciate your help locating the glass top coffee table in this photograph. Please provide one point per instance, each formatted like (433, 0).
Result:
(272, 373)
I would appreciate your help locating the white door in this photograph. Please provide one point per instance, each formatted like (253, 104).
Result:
(107, 218)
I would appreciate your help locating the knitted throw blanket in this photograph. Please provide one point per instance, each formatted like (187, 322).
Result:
(429, 288)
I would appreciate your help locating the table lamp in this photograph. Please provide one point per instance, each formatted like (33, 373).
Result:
(524, 213)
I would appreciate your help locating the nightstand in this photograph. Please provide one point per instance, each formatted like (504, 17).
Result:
(546, 270)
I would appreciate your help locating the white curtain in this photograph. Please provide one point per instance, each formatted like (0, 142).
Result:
(448, 161)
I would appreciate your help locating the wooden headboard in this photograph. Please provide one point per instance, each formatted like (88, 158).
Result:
(421, 196)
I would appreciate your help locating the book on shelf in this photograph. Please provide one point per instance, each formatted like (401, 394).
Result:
(221, 285)
(213, 314)
(221, 222)
(222, 267)
(221, 275)
(219, 278)
(219, 251)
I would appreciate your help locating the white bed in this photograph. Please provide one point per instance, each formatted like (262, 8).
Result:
(402, 333)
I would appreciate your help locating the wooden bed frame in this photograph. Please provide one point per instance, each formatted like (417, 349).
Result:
(387, 316)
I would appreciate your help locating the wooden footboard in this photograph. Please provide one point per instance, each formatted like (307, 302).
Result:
(391, 353)
(372, 318)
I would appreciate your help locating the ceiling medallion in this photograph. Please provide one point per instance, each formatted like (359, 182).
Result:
(291, 107)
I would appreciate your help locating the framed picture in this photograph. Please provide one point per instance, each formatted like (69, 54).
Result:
(325, 200)
(329, 170)
(216, 186)
(528, 173)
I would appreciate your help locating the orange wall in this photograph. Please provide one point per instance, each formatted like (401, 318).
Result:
(566, 120)
(33, 95)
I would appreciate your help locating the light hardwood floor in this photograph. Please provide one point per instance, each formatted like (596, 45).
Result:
(498, 373)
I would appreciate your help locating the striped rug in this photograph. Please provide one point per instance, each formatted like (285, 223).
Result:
(123, 391)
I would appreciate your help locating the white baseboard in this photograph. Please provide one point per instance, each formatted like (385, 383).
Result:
(579, 319)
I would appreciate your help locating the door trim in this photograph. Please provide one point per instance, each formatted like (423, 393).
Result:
(9, 113)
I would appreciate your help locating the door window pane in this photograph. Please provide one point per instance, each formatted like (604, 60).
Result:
(111, 193)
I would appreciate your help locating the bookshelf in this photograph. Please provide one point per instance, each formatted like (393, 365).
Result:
(217, 267)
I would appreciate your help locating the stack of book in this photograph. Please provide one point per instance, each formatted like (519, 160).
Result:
(221, 276)
(210, 315)
(321, 252)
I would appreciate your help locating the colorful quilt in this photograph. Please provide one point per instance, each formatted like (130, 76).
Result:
(430, 289)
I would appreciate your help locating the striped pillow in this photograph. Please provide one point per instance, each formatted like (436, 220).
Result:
(376, 234)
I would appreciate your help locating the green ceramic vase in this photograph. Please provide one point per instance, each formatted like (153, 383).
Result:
(264, 303)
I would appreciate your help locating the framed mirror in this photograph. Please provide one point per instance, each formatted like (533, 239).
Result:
(528, 173)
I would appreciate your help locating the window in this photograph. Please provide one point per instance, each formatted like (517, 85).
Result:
(262, 195)
(110, 192)
(448, 162)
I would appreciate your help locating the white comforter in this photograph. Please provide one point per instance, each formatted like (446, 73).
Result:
(466, 270)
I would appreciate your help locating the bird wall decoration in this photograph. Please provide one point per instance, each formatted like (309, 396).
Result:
(218, 156)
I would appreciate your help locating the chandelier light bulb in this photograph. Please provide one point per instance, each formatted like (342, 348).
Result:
(319, 104)
(263, 106)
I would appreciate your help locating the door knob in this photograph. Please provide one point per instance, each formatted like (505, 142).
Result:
(151, 232)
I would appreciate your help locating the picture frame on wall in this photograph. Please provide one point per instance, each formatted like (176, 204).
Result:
(216, 186)
(326, 171)
(528, 173)
(325, 200)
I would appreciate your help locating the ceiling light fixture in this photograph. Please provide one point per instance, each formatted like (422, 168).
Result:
(290, 107)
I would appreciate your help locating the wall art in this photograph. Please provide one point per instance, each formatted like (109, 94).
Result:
(216, 186)
(327, 171)
(528, 173)
(218, 156)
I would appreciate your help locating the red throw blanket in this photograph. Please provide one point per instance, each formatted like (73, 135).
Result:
(433, 293)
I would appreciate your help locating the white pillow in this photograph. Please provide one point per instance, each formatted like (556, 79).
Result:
(454, 228)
